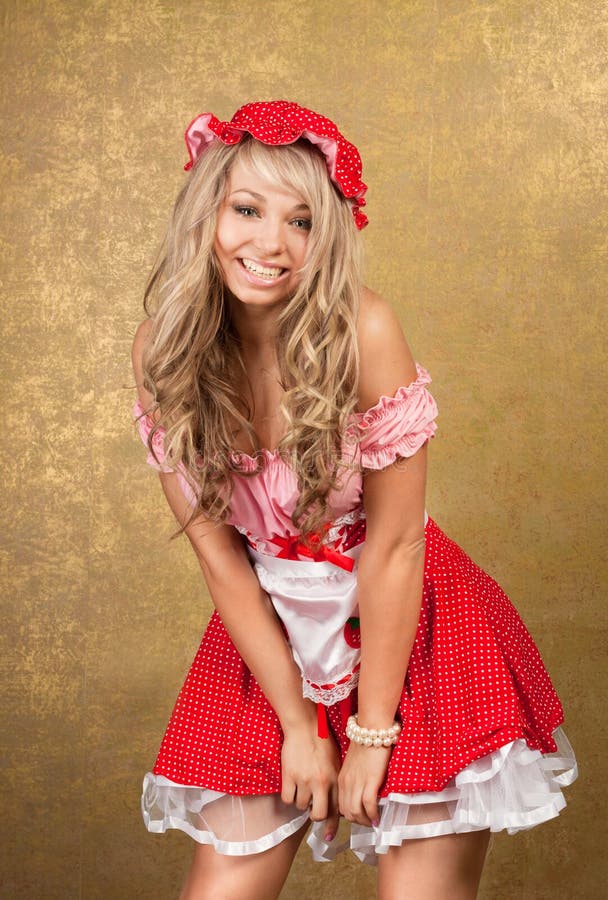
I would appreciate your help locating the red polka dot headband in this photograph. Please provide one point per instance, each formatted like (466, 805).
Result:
(279, 122)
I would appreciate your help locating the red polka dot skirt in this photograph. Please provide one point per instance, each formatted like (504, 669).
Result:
(475, 682)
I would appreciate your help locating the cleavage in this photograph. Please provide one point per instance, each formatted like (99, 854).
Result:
(263, 393)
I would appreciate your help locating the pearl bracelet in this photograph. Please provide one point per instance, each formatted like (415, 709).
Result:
(372, 737)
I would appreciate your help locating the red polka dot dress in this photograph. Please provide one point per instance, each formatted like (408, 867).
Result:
(481, 744)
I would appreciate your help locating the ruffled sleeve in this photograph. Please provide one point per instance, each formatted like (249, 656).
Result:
(397, 426)
(145, 424)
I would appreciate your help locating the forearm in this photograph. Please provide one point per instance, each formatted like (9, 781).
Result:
(251, 622)
(389, 586)
(245, 609)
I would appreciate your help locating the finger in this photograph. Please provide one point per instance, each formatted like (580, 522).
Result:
(303, 796)
(342, 801)
(360, 817)
(333, 816)
(370, 808)
(319, 809)
(351, 807)
(288, 790)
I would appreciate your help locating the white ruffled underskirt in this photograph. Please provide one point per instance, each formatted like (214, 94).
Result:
(512, 789)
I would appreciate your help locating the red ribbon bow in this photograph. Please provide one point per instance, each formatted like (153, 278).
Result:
(292, 548)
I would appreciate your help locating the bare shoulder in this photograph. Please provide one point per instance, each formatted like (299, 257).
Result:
(386, 361)
(137, 352)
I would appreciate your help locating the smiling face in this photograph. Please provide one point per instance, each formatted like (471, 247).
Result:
(261, 238)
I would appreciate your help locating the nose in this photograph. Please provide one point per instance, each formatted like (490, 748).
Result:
(271, 236)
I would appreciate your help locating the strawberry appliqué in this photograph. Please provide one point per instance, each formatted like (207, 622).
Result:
(352, 633)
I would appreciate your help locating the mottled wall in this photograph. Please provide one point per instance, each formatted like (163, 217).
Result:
(482, 127)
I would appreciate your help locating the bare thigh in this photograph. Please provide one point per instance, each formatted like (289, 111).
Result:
(447, 867)
(259, 876)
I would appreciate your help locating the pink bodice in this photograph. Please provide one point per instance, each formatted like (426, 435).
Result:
(262, 504)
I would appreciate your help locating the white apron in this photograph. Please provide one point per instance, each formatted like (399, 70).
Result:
(315, 601)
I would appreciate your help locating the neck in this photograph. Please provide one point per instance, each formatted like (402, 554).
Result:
(257, 328)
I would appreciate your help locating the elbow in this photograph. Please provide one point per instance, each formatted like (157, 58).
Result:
(407, 552)
(217, 568)
(403, 552)
(218, 559)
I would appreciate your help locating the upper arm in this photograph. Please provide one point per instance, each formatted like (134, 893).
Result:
(142, 336)
(210, 541)
(218, 546)
(393, 497)
(385, 359)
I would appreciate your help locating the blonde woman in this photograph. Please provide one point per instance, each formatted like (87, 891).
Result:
(358, 663)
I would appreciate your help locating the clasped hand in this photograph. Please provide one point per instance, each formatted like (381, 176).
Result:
(312, 778)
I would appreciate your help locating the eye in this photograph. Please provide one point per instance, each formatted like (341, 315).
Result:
(246, 211)
(303, 224)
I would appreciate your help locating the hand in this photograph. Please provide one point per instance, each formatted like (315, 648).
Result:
(361, 776)
(309, 770)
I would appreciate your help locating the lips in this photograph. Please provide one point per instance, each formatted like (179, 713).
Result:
(261, 271)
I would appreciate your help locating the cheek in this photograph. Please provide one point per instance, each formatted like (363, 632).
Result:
(300, 251)
(228, 235)
(221, 242)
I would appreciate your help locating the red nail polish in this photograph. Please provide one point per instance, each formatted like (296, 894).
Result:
(329, 837)
(375, 823)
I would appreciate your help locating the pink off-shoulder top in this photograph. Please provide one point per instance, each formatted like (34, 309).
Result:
(261, 505)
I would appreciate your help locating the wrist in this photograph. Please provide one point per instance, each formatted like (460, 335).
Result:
(375, 716)
(301, 716)
(385, 736)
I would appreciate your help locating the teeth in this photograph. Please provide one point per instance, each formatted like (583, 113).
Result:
(261, 270)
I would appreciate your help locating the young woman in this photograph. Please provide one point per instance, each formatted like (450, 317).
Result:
(358, 662)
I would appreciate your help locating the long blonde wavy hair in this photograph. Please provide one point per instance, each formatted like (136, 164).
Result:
(192, 361)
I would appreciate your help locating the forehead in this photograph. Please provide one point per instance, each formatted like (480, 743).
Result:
(244, 176)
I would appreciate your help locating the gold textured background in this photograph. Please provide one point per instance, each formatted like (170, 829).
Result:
(482, 127)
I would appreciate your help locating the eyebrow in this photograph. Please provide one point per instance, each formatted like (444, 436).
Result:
(261, 198)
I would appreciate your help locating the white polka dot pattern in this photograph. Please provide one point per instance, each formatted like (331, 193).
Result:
(475, 682)
(281, 122)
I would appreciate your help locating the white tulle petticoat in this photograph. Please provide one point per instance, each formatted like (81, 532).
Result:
(513, 788)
